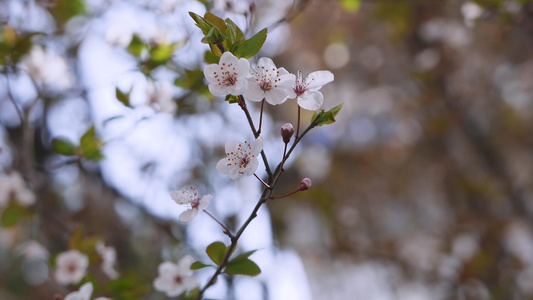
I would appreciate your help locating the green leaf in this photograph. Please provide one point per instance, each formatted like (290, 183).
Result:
(216, 21)
(63, 147)
(64, 10)
(210, 58)
(216, 251)
(327, 117)
(162, 53)
(12, 215)
(137, 46)
(202, 23)
(76, 239)
(242, 266)
(90, 145)
(250, 47)
(232, 99)
(128, 287)
(234, 33)
(197, 265)
(350, 5)
(123, 97)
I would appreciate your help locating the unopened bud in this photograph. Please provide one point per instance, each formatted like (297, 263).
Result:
(305, 184)
(287, 131)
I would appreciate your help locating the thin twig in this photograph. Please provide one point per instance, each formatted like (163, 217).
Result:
(226, 230)
(265, 196)
(242, 104)
(262, 181)
(12, 98)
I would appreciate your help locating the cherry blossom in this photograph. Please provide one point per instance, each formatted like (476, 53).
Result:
(48, 67)
(71, 267)
(32, 250)
(190, 198)
(269, 83)
(109, 258)
(228, 76)
(160, 96)
(174, 279)
(84, 293)
(13, 187)
(305, 90)
(241, 158)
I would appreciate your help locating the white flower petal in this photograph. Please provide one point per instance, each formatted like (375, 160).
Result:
(276, 96)
(86, 290)
(181, 197)
(254, 92)
(204, 202)
(219, 90)
(223, 166)
(167, 269)
(251, 167)
(257, 146)
(317, 79)
(184, 265)
(188, 215)
(311, 100)
(235, 173)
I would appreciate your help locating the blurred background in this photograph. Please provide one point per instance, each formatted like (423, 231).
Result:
(422, 188)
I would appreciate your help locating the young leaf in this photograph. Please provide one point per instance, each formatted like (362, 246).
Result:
(350, 5)
(232, 99)
(12, 215)
(137, 46)
(90, 145)
(197, 265)
(63, 10)
(76, 239)
(218, 22)
(202, 23)
(234, 33)
(250, 47)
(216, 251)
(63, 147)
(327, 117)
(123, 97)
(242, 266)
(162, 53)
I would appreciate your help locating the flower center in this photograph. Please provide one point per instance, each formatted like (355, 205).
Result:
(230, 80)
(299, 87)
(195, 202)
(178, 279)
(243, 161)
(71, 267)
(265, 85)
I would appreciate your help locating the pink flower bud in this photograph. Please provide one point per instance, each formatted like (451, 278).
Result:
(287, 130)
(305, 184)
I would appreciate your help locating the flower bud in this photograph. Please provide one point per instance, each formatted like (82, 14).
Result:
(287, 130)
(305, 184)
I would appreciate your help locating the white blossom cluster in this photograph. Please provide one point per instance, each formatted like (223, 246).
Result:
(233, 76)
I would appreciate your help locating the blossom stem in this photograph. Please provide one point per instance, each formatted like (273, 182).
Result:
(284, 196)
(298, 124)
(226, 230)
(242, 104)
(262, 181)
(261, 117)
(283, 159)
